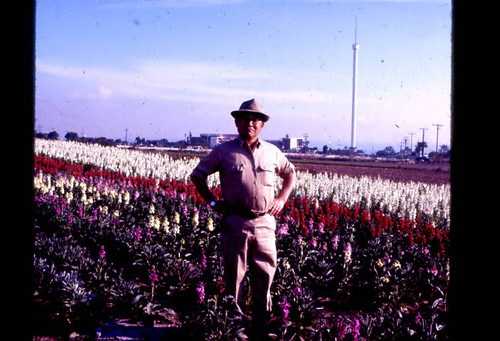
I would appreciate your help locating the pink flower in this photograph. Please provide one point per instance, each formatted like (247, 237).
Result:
(203, 260)
(335, 242)
(355, 330)
(283, 230)
(153, 276)
(314, 242)
(284, 305)
(102, 252)
(200, 289)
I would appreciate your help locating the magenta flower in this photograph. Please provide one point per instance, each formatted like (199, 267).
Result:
(137, 233)
(314, 242)
(283, 230)
(153, 276)
(284, 305)
(335, 242)
(355, 330)
(200, 289)
(203, 260)
(102, 253)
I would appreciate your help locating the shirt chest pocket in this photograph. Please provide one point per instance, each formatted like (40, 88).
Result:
(265, 174)
(235, 172)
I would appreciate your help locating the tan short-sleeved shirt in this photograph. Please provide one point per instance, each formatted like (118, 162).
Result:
(247, 179)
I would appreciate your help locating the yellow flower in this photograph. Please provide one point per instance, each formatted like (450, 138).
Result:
(379, 263)
(126, 198)
(396, 265)
(165, 225)
(177, 218)
(151, 209)
(195, 220)
(210, 224)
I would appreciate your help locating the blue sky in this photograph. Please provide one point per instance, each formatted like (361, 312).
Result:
(164, 68)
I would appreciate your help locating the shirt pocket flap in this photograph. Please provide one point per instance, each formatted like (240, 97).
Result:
(265, 173)
(238, 168)
(266, 168)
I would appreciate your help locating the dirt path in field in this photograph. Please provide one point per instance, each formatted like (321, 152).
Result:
(432, 173)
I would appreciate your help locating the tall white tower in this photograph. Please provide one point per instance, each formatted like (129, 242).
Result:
(355, 48)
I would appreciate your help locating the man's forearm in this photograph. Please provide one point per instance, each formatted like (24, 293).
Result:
(202, 188)
(287, 187)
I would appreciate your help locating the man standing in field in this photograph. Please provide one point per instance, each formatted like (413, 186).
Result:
(247, 167)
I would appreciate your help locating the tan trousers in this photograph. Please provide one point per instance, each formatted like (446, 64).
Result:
(252, 243)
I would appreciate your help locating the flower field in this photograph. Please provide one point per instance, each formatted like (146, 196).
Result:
(123, 235)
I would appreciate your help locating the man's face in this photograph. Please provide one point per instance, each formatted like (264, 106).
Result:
(249, 126)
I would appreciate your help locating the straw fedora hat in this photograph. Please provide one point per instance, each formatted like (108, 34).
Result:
(250, 107)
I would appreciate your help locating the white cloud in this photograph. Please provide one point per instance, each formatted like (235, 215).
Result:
(105, 92)
(196, 81)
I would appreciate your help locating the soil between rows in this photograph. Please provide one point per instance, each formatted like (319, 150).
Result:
(429, 173)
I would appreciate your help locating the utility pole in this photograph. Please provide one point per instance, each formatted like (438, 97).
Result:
(126, 135)
(437, 135)
(405, 141)
(423, 139)
(411, 141)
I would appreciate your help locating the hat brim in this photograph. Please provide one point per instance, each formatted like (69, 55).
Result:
(239, 113)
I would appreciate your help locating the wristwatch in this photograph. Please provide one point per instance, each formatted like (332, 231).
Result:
(213, 203)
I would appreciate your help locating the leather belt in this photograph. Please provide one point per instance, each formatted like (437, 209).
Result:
(246, 214)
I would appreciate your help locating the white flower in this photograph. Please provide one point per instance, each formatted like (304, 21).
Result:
(347, 252)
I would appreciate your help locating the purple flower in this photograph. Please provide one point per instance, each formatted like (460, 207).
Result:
(341, 329)
(153, 276)
(335, 242)
(418, 317)
(283, 230)
(200, 289)
(321, 228)
(284, 305)
(102, 252)
(355, 330)
(203, 260)
(137, 233)
(314, 242)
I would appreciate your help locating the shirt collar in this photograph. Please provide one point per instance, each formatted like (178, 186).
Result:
(242, 142)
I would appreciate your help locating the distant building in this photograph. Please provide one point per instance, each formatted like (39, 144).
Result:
(215, 140)
(209, 140)
(293, 143)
